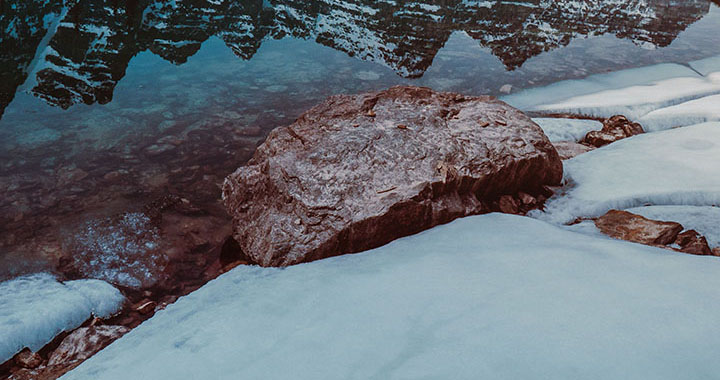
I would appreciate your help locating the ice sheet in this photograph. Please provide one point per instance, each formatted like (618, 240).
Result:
(558, 129)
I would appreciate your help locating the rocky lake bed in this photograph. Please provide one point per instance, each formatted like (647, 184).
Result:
(359, 213)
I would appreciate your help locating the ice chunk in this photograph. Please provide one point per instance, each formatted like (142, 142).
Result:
(673, 167)
(688, 113)
(35, 308)
(532, 98)
(707, 66)
(703, 219)
(493, 296)
(632, 93)
(558, 129)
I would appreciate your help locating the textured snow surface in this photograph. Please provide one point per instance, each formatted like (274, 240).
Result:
(485, 297)
(35, 308)
(703, 219)
(558, 129)
(674, 167)
(633, 93)
(692, 112)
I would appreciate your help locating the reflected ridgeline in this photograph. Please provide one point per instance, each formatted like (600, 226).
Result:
(77, 51)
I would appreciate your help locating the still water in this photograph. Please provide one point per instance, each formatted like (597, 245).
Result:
(106, 105)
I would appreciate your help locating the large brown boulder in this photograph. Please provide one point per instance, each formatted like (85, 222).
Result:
(356, 172)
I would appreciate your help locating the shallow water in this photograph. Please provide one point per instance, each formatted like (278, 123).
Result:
(107, 105)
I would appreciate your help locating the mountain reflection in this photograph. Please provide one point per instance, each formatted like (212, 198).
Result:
(77, 52)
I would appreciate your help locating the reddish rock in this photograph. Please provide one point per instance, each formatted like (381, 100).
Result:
(692, 242)
(84, 342)
(146, 307)
(615, 128)
(570, 149)
(628, 226)
(344, 178)
(28, 359)
(508, 205)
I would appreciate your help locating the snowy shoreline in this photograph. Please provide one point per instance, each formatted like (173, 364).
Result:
(501, 268)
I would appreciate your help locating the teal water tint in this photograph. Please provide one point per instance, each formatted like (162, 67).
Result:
(107, 105)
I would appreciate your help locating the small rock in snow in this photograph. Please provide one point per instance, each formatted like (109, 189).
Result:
(628, 226)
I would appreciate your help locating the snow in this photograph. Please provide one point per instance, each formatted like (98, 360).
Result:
(633, 92)
(703, 219)
(35, 308)
(493, 296)
(688, 113)
(558, 129)
(673, 167)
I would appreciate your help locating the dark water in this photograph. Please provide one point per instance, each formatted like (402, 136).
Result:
(108, 104)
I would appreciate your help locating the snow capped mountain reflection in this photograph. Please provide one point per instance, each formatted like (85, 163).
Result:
(77, 51)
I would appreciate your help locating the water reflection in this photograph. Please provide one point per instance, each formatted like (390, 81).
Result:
(84, 47)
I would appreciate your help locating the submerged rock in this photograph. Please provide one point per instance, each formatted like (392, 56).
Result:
(346, 177)
(615, 128)
(570, 149)
(632, 227)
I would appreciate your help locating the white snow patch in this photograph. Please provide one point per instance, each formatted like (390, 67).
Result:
(492, 296)
(673, 167)
(703, 219)
(688, 113)
(558, 129)
(35, 308)
(632, 93)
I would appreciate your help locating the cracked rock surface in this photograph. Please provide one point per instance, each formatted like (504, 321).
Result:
(359, 171)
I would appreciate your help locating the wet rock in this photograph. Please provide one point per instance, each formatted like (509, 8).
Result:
(123, 250)
(631, 227)
(692, 242)
(28, 359)
(85, 342)
(344, 178)
(527, 199)
(615, 128)
(508, 205)
(146, 307)
(570, 149)
(68, 175)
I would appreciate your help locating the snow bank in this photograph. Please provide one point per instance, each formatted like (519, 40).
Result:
(633, 92)
(558, 129)
(703, 219)
(35, 308)
(688, 113)
(493, 296)
(673, 167)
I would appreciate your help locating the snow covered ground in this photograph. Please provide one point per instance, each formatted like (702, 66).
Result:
(659, 97)
(674, 167)
(493, 296)
(35, 308)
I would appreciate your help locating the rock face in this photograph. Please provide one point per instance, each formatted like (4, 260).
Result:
(615, 128)
(628, 226)
(85, 342)
(692, 242)
(359, 171)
